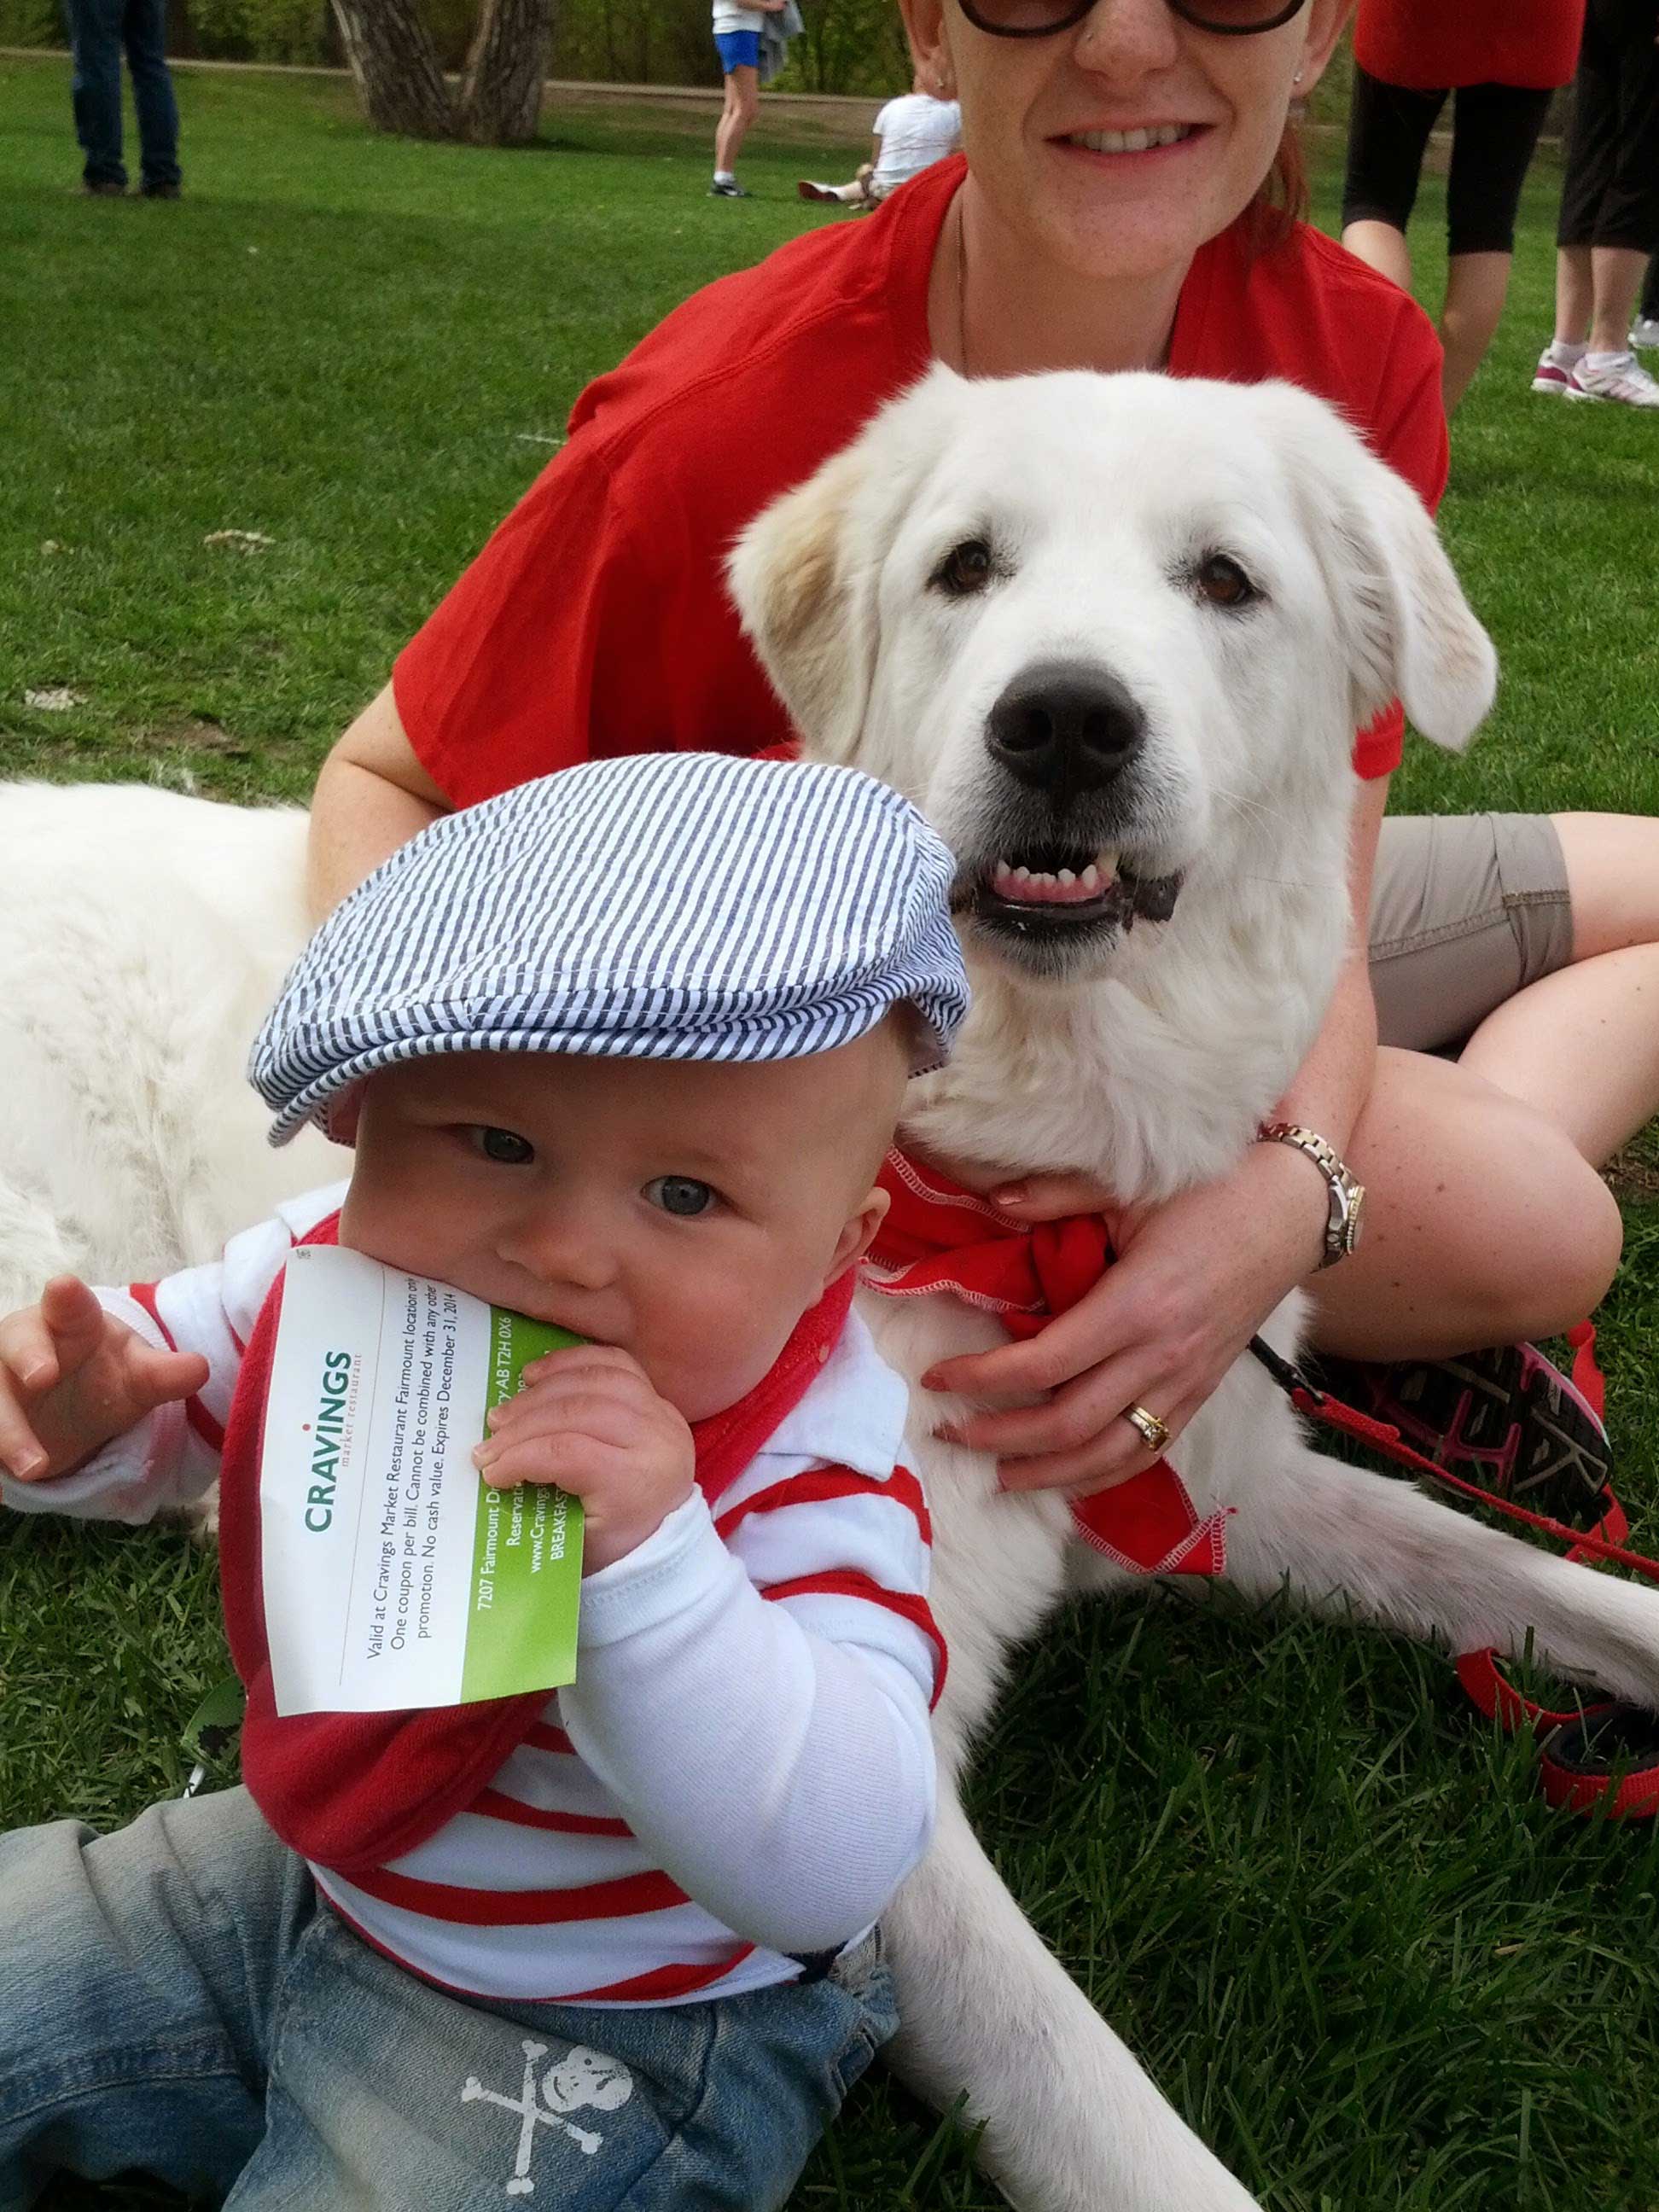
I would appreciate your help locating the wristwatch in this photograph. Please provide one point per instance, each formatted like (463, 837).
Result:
(1347, 1197)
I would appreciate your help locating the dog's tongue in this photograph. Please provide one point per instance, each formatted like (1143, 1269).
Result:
(1065, 888)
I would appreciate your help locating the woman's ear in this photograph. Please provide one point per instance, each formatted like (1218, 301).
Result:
(857, 1236)
(924, 26)
(1324, 27)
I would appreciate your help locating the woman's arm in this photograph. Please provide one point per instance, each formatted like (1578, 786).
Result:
(372, 796)
(1195, 1278)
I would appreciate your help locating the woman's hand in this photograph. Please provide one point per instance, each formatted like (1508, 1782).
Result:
(1194, 1280)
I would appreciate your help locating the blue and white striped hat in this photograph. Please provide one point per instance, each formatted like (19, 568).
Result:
(662, 905)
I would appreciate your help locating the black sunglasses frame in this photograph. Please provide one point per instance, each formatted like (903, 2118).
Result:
(1184, 8)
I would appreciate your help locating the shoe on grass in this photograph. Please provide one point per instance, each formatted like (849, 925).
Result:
(1622, 379)
(163, 192)
(721, 189)
(1505, 1419)
(809, 190)
(1549, 377)
(1645, 331)
(105, 189)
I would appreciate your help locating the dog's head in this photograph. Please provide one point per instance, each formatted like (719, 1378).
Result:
(1112, 634)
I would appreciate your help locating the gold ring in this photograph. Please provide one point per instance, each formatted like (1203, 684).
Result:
(1152, 1432)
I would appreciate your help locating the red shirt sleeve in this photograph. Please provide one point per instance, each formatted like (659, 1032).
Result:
(1409, 432)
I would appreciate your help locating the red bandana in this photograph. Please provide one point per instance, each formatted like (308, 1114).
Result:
(938, 1236)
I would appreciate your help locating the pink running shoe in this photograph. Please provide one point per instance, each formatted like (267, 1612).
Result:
(1622, 379)
(1505, 1419)
(1549, 376)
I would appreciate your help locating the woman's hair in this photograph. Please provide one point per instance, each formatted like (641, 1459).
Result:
(1282, 201)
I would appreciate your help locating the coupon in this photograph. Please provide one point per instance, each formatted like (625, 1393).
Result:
(395, 1577)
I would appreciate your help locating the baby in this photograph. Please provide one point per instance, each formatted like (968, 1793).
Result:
(623, 1050)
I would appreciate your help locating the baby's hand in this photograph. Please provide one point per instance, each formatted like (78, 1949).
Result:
(72, 1376)
(587, 1419)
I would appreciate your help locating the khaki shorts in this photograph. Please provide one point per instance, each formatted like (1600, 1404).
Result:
(1467, 909)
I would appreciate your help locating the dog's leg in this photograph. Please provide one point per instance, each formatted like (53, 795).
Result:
(1071, 2121)
(1346, 1542)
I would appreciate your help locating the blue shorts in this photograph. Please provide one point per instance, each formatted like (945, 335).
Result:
(737, 50)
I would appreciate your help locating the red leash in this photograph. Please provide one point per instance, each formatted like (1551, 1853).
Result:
(1576, 1768)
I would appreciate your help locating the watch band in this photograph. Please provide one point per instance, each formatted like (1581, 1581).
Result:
(1346, 1197)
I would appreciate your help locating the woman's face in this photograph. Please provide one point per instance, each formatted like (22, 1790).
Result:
(1031, 108)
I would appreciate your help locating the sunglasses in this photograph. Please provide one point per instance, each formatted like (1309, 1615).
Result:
(1037, 19)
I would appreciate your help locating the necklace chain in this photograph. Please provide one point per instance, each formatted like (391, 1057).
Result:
(962, 286)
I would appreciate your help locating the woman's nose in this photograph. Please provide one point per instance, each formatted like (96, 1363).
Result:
(1127, 38)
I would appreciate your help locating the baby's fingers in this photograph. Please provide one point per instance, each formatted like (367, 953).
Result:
(159, 1378)
(21, 1454)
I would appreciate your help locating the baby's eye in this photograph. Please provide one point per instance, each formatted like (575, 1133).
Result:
(681, 1194)
(502, 1146)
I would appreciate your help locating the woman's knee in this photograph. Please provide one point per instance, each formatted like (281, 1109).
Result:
(1611, 863)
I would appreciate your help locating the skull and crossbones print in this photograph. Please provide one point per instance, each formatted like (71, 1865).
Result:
(582, 2081)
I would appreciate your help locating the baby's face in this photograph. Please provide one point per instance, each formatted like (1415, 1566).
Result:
(689, 1213)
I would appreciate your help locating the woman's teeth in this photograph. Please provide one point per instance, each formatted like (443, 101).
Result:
(1130, 142)
(1057, 887)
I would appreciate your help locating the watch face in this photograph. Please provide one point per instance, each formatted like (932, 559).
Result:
(1356, 1216)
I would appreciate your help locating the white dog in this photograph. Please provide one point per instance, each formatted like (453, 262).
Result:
(1125, 624)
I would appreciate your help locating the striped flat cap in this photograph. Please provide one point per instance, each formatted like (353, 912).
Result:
(661, 906)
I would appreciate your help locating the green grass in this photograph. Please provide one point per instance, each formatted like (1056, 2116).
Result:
(1328, 1908)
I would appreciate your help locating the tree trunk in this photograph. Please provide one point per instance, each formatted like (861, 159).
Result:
(395, 64)
(501, 101)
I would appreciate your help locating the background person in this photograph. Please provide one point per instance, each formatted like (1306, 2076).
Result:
(738, 42)
(1644, 330)
(1499, 60)
(99, 31)
(910, 134)
(1119, 206)
(1609, 222)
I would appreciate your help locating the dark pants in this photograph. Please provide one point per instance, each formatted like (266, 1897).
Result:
(98, 29)
(1495, 128)
(1610, 190)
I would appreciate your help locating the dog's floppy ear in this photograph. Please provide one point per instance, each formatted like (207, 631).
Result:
(1409, 630)
(805, 572)
(806, 606)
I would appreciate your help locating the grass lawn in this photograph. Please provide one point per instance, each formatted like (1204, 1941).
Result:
(1331, 1912)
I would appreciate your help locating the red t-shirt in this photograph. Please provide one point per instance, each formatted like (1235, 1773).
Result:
(1432, 44)
(596, 620)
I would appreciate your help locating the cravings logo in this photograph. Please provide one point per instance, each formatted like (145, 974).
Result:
(329, 1432)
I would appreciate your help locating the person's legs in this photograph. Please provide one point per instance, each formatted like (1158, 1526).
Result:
(741, 107)
(144, 31)
(1616, 274)
(1581, 1045)
(1388, 127)
(1494, 134)
(385, 2092)
(137, 1973)
(95, 30)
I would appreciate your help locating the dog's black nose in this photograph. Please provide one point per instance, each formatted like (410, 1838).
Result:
(1066, 727)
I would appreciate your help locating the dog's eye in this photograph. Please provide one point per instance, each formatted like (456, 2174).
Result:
(1219, 580)
(965, 570)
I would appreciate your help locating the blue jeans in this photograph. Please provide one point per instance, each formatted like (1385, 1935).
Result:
(175, 1999)
(98, 31)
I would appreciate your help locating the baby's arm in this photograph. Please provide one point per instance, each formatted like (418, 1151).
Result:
(766, 1730)
(73, 1378)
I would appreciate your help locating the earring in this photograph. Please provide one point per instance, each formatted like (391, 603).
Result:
(1297, 79)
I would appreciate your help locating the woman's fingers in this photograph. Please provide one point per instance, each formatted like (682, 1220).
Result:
(1053, 1197)
(1110, 1458)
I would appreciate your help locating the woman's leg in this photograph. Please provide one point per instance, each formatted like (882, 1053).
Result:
(1494, 133)
(1388, 127)
(1538, 939)
(1581, 1045)
(742, 106)
(1483, 1223)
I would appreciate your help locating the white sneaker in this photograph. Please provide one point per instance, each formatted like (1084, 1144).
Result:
(1622, 379)
(1549, 377)
(1644, 330)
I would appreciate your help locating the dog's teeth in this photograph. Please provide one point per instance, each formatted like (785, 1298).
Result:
(1068, 875)
(1022, 875)
(1108, 864)
(1090, 878)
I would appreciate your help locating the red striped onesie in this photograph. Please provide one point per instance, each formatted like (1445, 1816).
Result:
(743, 1771)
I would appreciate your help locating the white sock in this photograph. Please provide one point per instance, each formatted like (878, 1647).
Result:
(1606, 360)
(1564, 355)
(725, 177)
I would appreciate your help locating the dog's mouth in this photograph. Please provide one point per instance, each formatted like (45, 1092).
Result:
(1057, 890)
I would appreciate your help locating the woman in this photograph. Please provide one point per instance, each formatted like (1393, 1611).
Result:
(1109, 214)
(1502, 59)
(738, 30)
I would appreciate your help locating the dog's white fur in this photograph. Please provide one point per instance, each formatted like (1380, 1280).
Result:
(1149, 1062)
